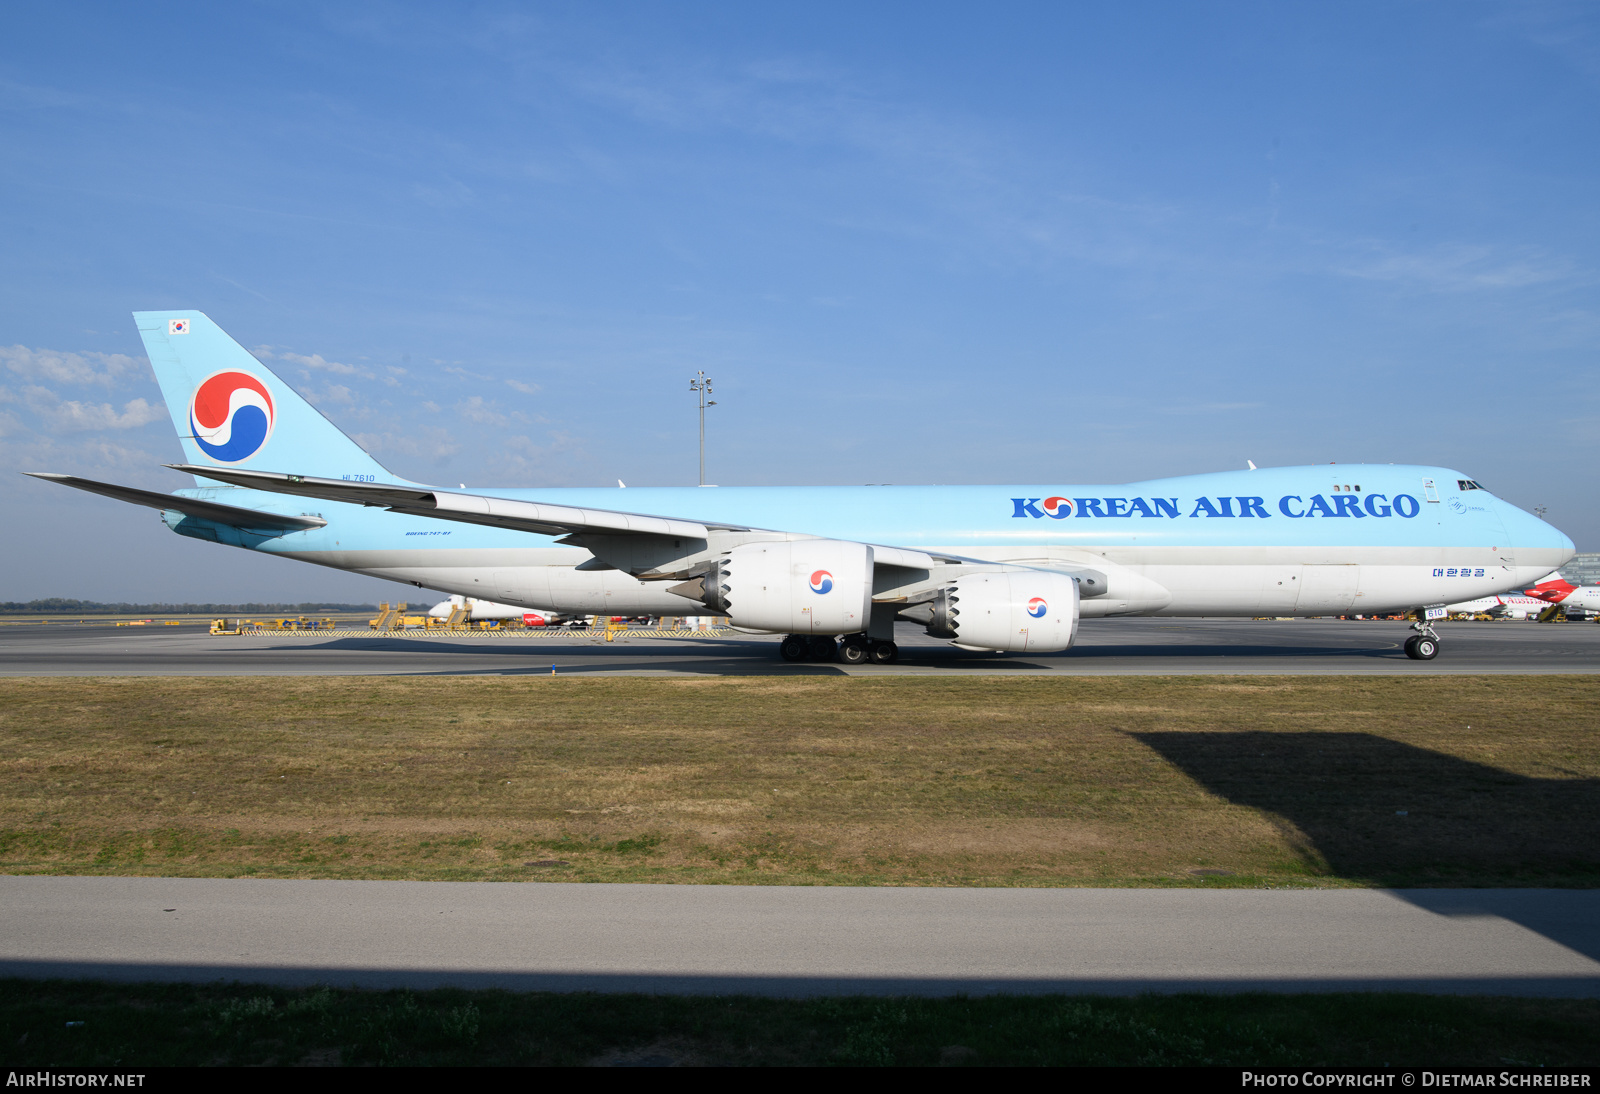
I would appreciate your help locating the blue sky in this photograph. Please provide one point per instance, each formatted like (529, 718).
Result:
(910, 242)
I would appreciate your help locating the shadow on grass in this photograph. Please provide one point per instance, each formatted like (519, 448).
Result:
(1359, 806)
(100, 1025)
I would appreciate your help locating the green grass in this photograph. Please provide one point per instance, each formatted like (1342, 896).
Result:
(1234, 781)
(144, 1025)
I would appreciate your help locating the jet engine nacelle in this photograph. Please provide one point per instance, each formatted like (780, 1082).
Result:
(1019, 612)
(808, 586)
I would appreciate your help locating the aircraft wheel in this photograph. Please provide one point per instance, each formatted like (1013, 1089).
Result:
(885, 653)
(1420, 647)
(823, 649)
(853, 652)
(794, 648)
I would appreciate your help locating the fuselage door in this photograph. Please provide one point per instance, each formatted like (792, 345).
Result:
(1280, 590)
(1328, 590)
(506, 587)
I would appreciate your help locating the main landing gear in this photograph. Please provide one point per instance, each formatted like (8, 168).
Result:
(852, 649)
(1424, 645)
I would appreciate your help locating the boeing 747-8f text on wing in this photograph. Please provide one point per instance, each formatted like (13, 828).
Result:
(987, 567)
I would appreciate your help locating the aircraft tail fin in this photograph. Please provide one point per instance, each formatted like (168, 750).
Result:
(231, 410)
(1554, 588)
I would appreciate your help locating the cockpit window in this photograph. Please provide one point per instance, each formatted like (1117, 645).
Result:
(1467, 484)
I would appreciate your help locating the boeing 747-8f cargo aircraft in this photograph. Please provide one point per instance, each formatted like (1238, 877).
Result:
(987, 567)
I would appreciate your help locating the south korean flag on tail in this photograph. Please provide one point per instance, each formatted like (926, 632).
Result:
(177, 326)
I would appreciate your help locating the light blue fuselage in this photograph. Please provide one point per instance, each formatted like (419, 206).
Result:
(1298, 540)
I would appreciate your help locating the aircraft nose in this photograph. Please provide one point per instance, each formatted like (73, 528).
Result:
(1529, 530)
(1557, 536)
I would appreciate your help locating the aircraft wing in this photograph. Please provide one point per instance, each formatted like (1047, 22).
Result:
(526, 516)
(205, 510)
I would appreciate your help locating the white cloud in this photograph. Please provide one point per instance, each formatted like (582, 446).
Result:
(36, 97)
(336, 394)
(449, 194)
(318, 362)
(526, 389)
(431, 443)
(1208, 408)
(478, 409)
(1460, 267)
(522, 458)
(101, 458)
(55, 366)
(72, 416)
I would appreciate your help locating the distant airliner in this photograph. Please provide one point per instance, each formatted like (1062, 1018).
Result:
(1009, 568)
(1507, 605)
(488, 610)
(1556, 589)
(1553, 591)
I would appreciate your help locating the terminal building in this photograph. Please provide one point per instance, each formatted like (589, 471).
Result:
(1583, 570)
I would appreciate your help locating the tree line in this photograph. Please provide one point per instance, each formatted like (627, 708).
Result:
(60, 604)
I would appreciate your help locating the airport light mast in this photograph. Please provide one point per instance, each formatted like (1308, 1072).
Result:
(701, 383)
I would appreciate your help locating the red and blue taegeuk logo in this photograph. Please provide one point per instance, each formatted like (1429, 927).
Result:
(1037, 607)
(1057, 508)
(231, 416)
(821, 581)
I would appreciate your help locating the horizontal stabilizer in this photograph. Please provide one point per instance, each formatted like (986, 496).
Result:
(204, 510)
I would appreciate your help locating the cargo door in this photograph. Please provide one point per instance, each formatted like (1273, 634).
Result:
(503, 586)
(1280, 590)
(1327, 590)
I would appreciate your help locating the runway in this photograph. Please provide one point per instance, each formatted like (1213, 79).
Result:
(1104, 647)
(805, 941)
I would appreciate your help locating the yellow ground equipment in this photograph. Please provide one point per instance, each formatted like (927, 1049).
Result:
(388, 618)
(458, 620)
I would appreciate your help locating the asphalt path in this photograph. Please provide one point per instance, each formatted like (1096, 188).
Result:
(1105, 647)
(800, 941)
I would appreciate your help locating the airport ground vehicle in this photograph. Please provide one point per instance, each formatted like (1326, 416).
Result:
(1011, 568)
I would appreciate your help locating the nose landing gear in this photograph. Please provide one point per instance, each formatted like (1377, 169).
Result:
(1424, 645)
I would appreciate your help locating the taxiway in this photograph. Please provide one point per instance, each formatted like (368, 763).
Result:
(799, 941)
(1105, 647)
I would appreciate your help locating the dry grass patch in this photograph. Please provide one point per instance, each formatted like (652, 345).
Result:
(826, 780)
